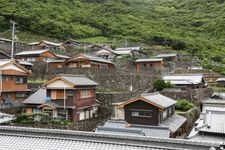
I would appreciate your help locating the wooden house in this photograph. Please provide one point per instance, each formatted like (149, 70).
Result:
(6, 45)
(70, 97)
(221, 82)
(71, 43)
(130, 51)
(35, 55)
(148, 63)
(87, 61)
(150, 109)
(184, 81)
(93, 48)
(47, 45)
(59, 62)
(169, 57)
(13, 83)
(105, 54)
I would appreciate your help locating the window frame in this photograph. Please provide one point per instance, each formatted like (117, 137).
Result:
(141, 113)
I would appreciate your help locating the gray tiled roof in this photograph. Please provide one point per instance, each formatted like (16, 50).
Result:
(122, 131)
(93, 58)
(78, 80)
(33, 52)
(159, 99)
(121, 127)
(174, 122)
(45, 139)
(39, 97)
(215, 121)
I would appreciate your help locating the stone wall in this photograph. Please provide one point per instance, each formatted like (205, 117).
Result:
(194, 95)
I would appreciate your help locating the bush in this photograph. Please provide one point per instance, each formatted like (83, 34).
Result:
(184, 105)
(160, 84)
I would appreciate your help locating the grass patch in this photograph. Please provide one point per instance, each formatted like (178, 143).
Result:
(37, 81)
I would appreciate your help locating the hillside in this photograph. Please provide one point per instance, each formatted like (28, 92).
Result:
(193, 25)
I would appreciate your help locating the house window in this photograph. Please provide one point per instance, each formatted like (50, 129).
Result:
(85, 94)
(69, 93)
(141, 113)
(21, 80)
(20, 95)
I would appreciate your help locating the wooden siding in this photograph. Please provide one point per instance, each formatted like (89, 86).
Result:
(80, 102)
(56, 65)
(29, 111)
(141, 105)
(148, 65)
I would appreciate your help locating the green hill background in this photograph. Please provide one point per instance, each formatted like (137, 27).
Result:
(197, 26)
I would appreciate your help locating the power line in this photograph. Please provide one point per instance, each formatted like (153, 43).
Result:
(43, 33)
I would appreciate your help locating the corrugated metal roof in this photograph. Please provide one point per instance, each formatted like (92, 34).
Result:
(220, 79)
(159, 99)
(165, 55)
(149, 60)
(78, 80)
(39, 97)
(52, 43)
(127, 48)
(174, 122)
(33, 43)
(32, 52)
(121, 127)
(5, 117)
(184, 79)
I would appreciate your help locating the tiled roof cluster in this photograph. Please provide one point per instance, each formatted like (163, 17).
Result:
(45, 139)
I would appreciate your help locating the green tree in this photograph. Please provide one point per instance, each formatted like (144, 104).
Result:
(160, 84)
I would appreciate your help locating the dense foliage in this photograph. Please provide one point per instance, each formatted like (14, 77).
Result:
(194, 25)
(184, 105)
(160, 84)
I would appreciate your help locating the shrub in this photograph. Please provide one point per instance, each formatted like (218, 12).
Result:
(184, 105)
(160, 84)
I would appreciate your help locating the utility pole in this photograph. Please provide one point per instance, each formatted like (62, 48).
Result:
(13, 38)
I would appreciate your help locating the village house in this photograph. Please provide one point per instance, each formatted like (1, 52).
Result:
(93, 48)
(221, 82)
(71, 43)
(3, 55)
(169, 57)
(6, 45)
(210, 127)
(184, 81)
(71, 97)
(59, 62)
(106, 54)
(130, 51)
(151, 109)
(87, 61)
(47, 45)
(13, 83)
(148, 63)
(36, 55)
